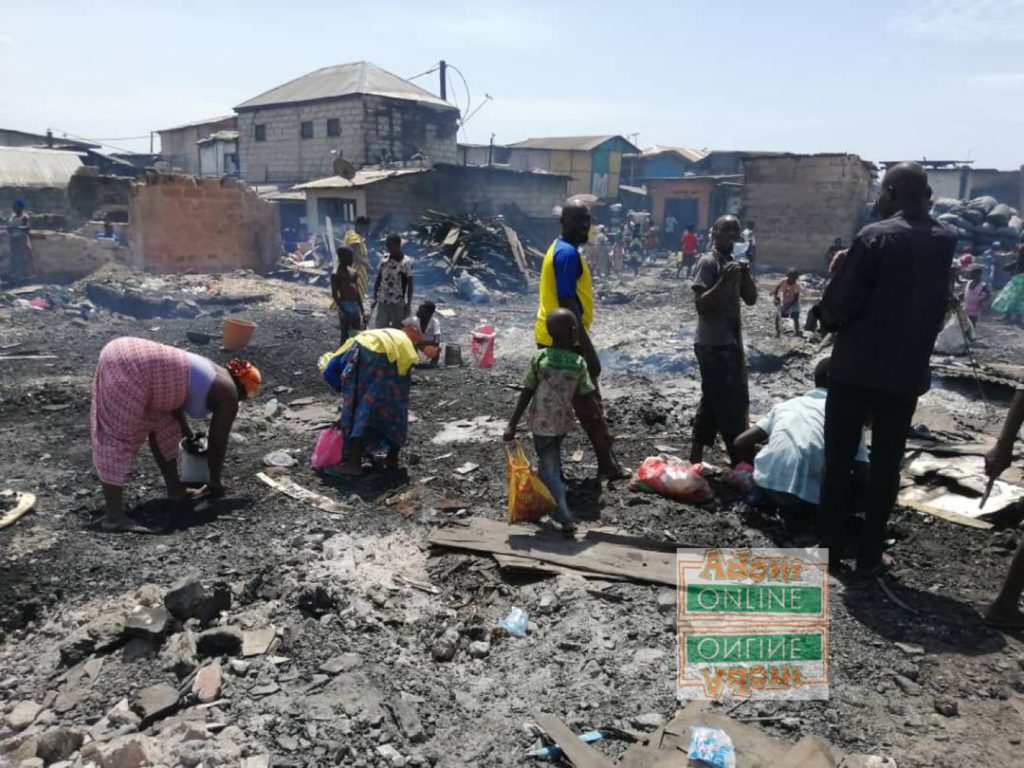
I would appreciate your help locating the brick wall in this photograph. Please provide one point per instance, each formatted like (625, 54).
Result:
(369, 126)
(183, 223)
(801, 203)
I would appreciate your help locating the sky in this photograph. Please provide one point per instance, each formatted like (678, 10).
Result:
(912, 79)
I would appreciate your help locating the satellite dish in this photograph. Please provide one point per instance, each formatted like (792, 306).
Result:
(344, 168)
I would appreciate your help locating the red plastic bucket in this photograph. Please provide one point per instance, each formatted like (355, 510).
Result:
(482, 346)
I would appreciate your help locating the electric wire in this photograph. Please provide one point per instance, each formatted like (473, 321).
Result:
(424, 74)
(70, 135)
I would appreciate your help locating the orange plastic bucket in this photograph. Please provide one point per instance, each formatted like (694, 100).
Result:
(237, 333)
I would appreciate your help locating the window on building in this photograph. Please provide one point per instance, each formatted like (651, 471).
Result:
(340, 210)
(333, 126)
(306, 129)
(261, 132)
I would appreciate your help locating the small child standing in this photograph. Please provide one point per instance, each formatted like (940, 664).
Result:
(976, 293)
(346, 294)
(555, 375)
(787, 299)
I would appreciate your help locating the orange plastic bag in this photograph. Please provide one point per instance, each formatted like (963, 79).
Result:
(528, 498)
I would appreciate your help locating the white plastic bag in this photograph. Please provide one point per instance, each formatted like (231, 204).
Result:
(952, 340)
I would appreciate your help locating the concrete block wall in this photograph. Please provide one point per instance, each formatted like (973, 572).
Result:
(459, 190)
(403, 198)
(38, 199)
(183, 223)
(68, 256)
(801, 203)
(486, 192)
(1005, 186)
(369, 124)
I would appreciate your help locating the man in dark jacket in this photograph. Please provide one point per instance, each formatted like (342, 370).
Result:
(886, 305)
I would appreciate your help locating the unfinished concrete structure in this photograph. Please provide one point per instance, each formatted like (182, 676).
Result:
(183, 223)
(801, 203)
(357, 112)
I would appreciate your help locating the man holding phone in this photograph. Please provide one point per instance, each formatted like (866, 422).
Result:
(720, 279)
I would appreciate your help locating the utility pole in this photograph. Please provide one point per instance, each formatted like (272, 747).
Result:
(444, 80)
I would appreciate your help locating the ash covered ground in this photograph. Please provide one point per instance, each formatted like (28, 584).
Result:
(355, 673)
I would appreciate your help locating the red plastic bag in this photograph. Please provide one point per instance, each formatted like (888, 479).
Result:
(674, 479)
(329, 449)
(742, 477)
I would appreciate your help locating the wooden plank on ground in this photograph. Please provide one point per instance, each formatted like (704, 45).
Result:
(951, 449)
(584, 553)
(529, 565)
(943, 514)
(576, 752)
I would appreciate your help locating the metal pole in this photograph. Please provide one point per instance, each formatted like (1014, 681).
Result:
(444, 80)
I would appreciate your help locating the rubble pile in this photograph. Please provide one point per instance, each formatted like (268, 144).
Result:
(980, 222)
(487, 249)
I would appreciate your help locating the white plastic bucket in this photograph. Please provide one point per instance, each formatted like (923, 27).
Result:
(193, 468)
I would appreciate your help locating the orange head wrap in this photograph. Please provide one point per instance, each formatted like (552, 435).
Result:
(247, 375)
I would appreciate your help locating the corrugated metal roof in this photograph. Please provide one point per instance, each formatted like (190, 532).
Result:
(361, 77)
(198, 123)
(32, 167)
(362, 178)
(688, 153)
(40, 140)
(579, 143)
(722, 177)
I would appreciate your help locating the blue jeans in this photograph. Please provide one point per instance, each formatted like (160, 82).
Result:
(549, 467)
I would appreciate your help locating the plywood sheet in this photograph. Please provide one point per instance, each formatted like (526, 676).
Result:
(582, 552)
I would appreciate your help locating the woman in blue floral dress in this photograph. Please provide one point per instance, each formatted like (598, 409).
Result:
(371, 372)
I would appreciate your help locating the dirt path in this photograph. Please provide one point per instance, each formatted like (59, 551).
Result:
(599, 653)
